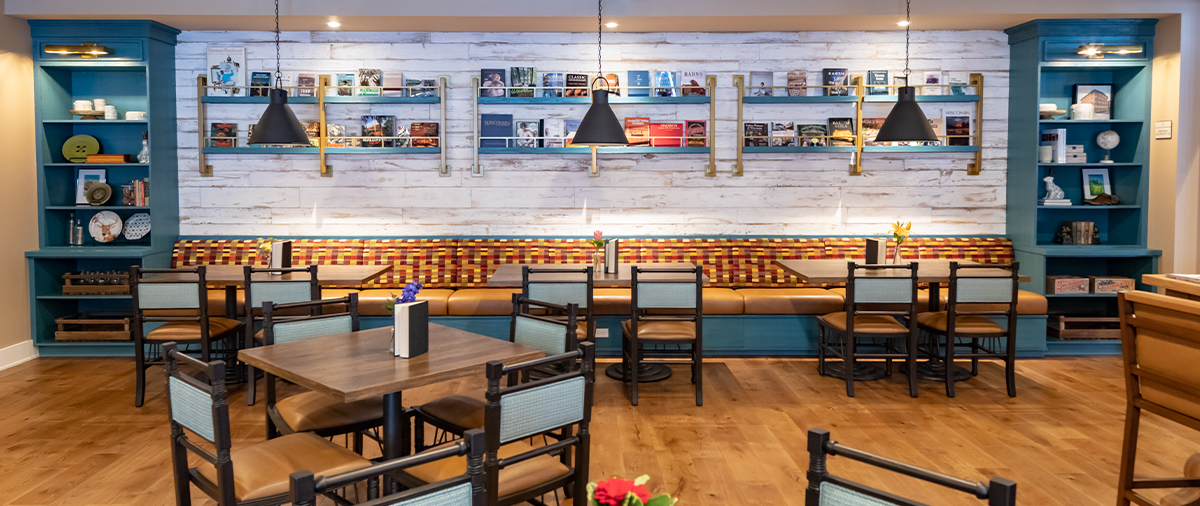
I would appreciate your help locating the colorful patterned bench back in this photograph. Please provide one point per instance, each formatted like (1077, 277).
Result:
(477, 258)
(755, 260)
(714, 255)
(433, 262)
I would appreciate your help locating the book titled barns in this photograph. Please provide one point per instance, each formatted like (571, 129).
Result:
(424, 134)
(693, 82)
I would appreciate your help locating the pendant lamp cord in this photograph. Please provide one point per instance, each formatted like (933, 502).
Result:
(278, 67)
(907, 25)
(600, 44)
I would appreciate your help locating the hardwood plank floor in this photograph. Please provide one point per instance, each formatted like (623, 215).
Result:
(69, 433)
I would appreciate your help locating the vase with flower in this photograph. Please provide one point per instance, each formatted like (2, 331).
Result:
(597, 242)
(619, 492)
(410, 333)
(900, 233)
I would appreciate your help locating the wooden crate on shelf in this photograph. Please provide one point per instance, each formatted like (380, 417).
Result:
(96, 283)
(1083, 327)
(94, 326)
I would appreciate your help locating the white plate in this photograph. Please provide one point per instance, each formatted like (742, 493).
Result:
(137, 226)
(105, 226)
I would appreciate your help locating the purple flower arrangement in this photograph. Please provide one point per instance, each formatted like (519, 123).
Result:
(408, 294)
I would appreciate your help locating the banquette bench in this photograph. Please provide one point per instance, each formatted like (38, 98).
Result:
(755, 306)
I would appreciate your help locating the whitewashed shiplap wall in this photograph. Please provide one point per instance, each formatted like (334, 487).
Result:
(397, 195)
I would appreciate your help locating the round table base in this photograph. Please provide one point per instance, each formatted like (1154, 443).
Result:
(647, 373)
(862, 371)
(930, 370)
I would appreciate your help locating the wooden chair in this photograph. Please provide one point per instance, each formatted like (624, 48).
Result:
(257, 474)
(874, 299)
(315, 411)
(654, 320)
(563, 286)
(278, 289)
(1160, 342)
(454, 414)
(182, 308)
(558, 408)
(825, 489)
(464, 490)
(972, 305)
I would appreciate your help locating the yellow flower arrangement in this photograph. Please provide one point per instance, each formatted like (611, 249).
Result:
(901, 231)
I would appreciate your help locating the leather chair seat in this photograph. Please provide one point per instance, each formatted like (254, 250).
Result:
(512, 479)
(370, 301)
(661, 330)
(865, 324)
(464, 410)
(1027, 303)
(190, 331)
(964, 324)
(312, 411)
(481, 302)
(262, 470)
(793, 301)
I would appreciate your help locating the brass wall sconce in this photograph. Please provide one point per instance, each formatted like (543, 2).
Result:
(84, 50)
(1099, 50)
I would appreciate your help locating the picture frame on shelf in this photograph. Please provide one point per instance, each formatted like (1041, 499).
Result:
(1098, 95)
(83, 176)
(1095, 182)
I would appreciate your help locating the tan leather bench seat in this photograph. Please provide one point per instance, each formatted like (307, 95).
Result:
(1027, 303)
(616, 301)
(370, 301)
(481, 302)
(798, 301)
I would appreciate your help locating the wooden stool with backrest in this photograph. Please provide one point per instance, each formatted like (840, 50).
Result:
(280, 286)
(563, 286)
(666, 311)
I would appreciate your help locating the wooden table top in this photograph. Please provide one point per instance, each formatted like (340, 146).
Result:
(360, 365)
(327, 275)
(834, 271)
(509, 275)
(1174, 287)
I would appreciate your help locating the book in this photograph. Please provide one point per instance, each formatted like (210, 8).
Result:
(939, 128)
(554, 133)
(697, 133)
(760, 83)
(344, 79)
(371, 79)
(307, 85)
(637, 130)
(755, 134)
(526, 133)
(286, 81)
(335, 136)
(870, 128)
(1056, 137)
(958, 122)
(812, 135)
(221, 131)
(897, 82)
(404, 139)
(353, 131)
(421, 87)
(260, 84)
(313, 129)
(693, 82)
(614, 84)
(393, 85)
(249, 133)
(837, 81)
(522, 81)
(958, 82)
(378, 126)
(841, 131)
(424, 134)
(577, 85)
(665, 82)
(667, 134)
(552, 84)
(495, 125)
(226, 71)
(797, 83)
(492, 82)
(638, 82)
(783, 134)
(570, 126)
(1054, 202)
(931, 79)
(880, 78)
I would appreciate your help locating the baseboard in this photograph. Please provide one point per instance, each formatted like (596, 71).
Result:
(19, 353)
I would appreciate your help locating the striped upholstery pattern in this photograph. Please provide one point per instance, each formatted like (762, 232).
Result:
(755, 260)
(168, 295)
(215, 252)
(984, 250)
(835, 495)
(715, 256)
(666, 295)
(458, 495)
(560, 293)
(549, 337)
(477, 258)
(433, 262)
(327, 252)
(300, 330)
(999, 290)
(539, 409)
(192, 408)
(279, 292)
(883, 290)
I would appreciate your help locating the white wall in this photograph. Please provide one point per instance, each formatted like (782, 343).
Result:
(551, 195)
(18, 194)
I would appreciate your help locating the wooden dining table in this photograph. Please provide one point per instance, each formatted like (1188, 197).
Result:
(1174, 287)
(361, 365)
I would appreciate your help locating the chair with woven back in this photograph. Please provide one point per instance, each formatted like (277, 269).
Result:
(281, 286)
(665, 324)
(315, 411)
(563, 286)
(256, 474)
(178, 300)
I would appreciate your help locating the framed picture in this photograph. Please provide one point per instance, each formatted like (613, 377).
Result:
(1095, 182)
(1099, 95)
(84, 175)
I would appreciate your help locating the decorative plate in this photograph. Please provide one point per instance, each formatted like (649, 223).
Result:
(105, 226)
(137, 226)
(77, 148)
(97, 194)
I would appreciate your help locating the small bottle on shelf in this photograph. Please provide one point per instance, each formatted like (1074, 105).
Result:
(76, 231)
(144, 155)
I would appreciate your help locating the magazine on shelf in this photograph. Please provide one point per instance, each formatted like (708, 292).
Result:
(335, 135)
(957, 123)
(552, 84)
(841, 131)
(577, 85)
(419, 87)
(614, 84)
(313, 129)
(260, 84)
(958, 82)
(870, 128)
(526, 133)
(880, 79)
(637, 130)
(393, 85)
(797, 83)
(522, 81)
(554, 133)
(223, 135)
(930, 79)
(378, 126)
(812, 135)
(572, 126)
(665, 82)
(494, 130)
(755, 134)
(837, 82)
(760, 83)
(226, 71)
(638, 82)
(693, 82)
(307, 84)
(371, 80)
(492, 82)
(667, 134)
(939, 128)
(424, 134)
(783, 134)
(697, 133)
(342, 79)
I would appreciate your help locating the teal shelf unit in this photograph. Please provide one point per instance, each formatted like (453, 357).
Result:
(138, 74)
(1045, 67)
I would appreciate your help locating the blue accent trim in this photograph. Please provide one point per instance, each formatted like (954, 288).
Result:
(920, 149)
(90, 252)
(1083, 347)
(584, 151)
(1065, 122)
(798, 149)
(692, 99)
(925, 98)
(1089, 164)
(1098, 251)
(1089, 208)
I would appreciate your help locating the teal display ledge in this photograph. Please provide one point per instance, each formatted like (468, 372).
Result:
(581, 151)
(314, 151)
(90, 252)
(920, 149)
(848, 99)
(587, 100)
(328, 100)
(925, 98)
(799, 149)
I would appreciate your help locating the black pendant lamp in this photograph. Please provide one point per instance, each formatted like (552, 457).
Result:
(278, 124)
(600, 126)
(906, 122)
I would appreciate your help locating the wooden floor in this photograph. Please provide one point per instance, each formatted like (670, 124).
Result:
(69, 433)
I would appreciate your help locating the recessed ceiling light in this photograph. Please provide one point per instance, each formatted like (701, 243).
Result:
(902, 23)
(610, 24)
(333, 24)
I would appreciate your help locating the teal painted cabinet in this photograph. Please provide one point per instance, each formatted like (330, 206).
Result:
(137, 74)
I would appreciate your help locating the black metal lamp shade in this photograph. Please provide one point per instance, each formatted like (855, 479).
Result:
(906, 122)
(600, 126)
(278, 124)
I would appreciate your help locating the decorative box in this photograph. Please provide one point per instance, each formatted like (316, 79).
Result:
(1074, 148)
(1110, 284)
(1066, 284)
(1076, 158)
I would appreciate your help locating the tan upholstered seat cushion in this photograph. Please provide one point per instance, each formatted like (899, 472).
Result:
(922, 301)
(661, 330)
(262, 470)
(513, 479)
(611, 301)
(337, 293)
(1027, 303)
(801, 301)
(190, 331)
(866, 324)
(964, 324)
(370, 302)
(464, 410)
(311, 411)
(616, 301)
(481, 302)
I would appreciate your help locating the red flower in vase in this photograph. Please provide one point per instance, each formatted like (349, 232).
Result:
(612, 491)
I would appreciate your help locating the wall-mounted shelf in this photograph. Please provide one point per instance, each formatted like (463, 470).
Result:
(800, 149)
(96, 208)
(692, 99)
(94, 122)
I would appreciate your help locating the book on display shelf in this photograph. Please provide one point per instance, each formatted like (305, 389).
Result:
(697, 133)
(666, 134)
(761, 82)
(352, 132)
(783, 134)
(421, 87)
(841, 131)
(313, 129)
(424, 134)
(371, 80)
(286, 81)
(393, 85)
(306, 85)
(224, 135)
(554, 133)
(665, 83)
(523, 80)
(494, 130)
(637, 130)
(812, 135)
(1054, 202)
(879, 78)
(526, 133)
(614, 84)
(897, 82)
(797, 83)
(958, 82)
(577, 85)
(958, 125)
(378, 126)
(870, 129)
(837, 82)
(260, 84)
(226, 71)
(638, 82)
(552, 84)
(931, 79)
(693, 83)
(939, 128)
(403, 135)
(335, 135)
(345, 83)
(755, 134)
(492, 82)
(571, 126)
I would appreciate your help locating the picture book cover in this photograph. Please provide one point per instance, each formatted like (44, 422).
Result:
(353, 131)
(693, 83)
(286, 81)
(421, 87)
(939, 128)
(1099, 95)
(697, 133)
(930, 79)
(870, 128)
(783, 134)
(958, 82)
(491, 82)
(343, 79)
(666, 134)
(760, 83)
(637, 130)
(880, 78)
(260, 83)
(527, 133)
(837, 81)
(404, 140)
(554, 133)
(307, 85)
(571, 126)
(371, 79)
(958, 123)
(638, 82)
(577, 85)
(797, 83)
(335, 135)
(313, 129)
(841, 131)
(378, 126)
(897, 82)
(495, 125)
(755, 134)
(226, 71)
(812, 135)
(614, 84)
(224, 135)
(665, 82)
(393, 85)
(552, 84)
(424, 134)
(523, 80)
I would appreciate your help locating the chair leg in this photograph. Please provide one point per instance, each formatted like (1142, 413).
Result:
(1133, 416)
(975, 360)
(358, 442)
(698, 374)
(911, 361)
(372, 488)
(949, 363)
(636, 360)
(419, 434)
(820, 350)
(1010, 368)
(848, 362)
(139, 395)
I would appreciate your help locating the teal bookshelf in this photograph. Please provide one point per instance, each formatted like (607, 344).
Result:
(1045, 67)
(138, 74)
